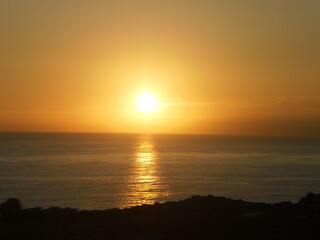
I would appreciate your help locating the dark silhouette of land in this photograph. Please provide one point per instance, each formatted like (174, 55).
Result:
(198, 217)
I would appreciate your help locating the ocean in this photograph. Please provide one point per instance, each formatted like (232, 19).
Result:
(101, 171)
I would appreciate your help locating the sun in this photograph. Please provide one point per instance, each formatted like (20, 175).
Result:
(147, 103)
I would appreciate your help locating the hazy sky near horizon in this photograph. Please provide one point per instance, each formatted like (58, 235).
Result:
(216, 67)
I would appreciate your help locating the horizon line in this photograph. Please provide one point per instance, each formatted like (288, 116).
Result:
(157, 133)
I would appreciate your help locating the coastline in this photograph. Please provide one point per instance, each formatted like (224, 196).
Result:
(199, 217)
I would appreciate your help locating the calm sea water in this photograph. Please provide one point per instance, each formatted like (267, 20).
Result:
(98, 171)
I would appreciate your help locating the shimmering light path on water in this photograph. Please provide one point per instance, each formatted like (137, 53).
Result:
(145, 183)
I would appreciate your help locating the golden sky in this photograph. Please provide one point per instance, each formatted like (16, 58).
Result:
(248, 67)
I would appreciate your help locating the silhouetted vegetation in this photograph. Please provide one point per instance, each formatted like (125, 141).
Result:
(198, 217)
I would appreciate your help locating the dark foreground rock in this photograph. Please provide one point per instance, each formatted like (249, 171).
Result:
(194, 218)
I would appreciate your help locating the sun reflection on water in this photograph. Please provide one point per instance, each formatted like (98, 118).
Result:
(144, 185)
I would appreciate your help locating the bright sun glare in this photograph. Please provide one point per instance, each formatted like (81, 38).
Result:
(147, 103)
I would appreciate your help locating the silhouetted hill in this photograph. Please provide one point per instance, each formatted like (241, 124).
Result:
(198, 217)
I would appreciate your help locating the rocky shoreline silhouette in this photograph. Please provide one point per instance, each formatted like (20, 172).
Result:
(199, 217)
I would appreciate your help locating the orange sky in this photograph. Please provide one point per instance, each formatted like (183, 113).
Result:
(216, 67)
